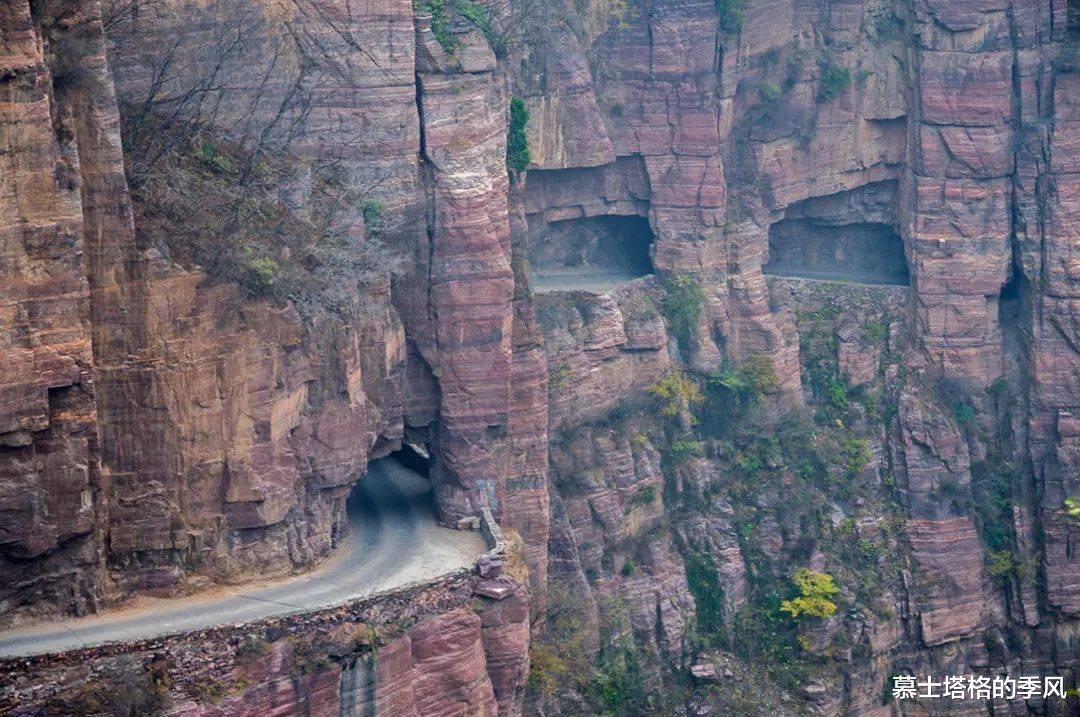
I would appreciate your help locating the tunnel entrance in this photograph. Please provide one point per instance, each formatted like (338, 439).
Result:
(850, 236)
(592, 254)
(399, 483)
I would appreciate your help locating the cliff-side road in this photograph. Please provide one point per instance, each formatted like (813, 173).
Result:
(394, 541)
(590, 279)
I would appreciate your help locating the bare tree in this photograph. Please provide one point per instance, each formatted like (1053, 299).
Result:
(210, 121)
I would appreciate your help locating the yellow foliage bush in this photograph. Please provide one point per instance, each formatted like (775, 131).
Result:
(816, 594)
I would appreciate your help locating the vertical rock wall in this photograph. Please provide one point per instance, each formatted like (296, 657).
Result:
(52, 547)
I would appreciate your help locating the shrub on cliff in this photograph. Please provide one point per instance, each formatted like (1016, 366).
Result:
(619, 684)
(558, 656)
(752, 379)
(281, 228)
(701, 578)
(675, 393)
(442, 16)
(683, 299)
(816, 592)
(518, 155)
(731, 14)
(834, 80)
(769, 92)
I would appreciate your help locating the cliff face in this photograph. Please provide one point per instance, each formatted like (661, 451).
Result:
(231, 429)
(434, 649)
(829, 141)
(670, 451)
(51, 476)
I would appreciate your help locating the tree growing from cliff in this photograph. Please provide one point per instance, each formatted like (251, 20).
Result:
(675, 394)
(834, 80)
(518, 155)
(731, 14)
(683, 299)
(507, 26)
(816, 595)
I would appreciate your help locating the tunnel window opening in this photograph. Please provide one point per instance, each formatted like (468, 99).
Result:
(596, 253)
(866, 253)
(848, 236)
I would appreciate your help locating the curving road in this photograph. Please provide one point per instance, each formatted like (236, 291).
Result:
(394, 541)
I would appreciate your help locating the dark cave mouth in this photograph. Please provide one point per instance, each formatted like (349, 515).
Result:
(360, 501)
(863, 253)
(594, 253)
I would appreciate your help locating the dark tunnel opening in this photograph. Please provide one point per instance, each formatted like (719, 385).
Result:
(595, 253)
(410, 467)
(848, 236)
(867, 253)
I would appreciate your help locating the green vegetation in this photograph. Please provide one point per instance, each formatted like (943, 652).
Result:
(683, 299)
(991, 488)
(675, 394)
(877, 330)
(547, 668)
(816, 594)
(750, 380)
(480, 16)
(619, 685)
(645, 496)
(732, 14)
(857, 456)
(264, 271)
(557, 655)
(442, 18)
(214, 160)
(629, 567)
(708, 597)
(1005, 564)
(734, 397)
(837, 393)
(763, 633)
(999, 388)
(372, 211)
(443, 13)
(251, 647)
(1072, 507)
(965, 413)
(518, 155)
(834, 80)
(681, 451)
(769, 92)
(558, 376)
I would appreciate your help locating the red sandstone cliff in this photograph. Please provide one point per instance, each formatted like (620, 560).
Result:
(162, 426)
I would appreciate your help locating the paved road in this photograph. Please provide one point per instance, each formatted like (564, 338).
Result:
(601, 282)
(394, 541)
(580, 279)
(834, 277)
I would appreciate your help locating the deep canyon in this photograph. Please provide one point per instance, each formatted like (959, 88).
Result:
(694, 298)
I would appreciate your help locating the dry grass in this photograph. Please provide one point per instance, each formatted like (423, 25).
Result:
(514, 565)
